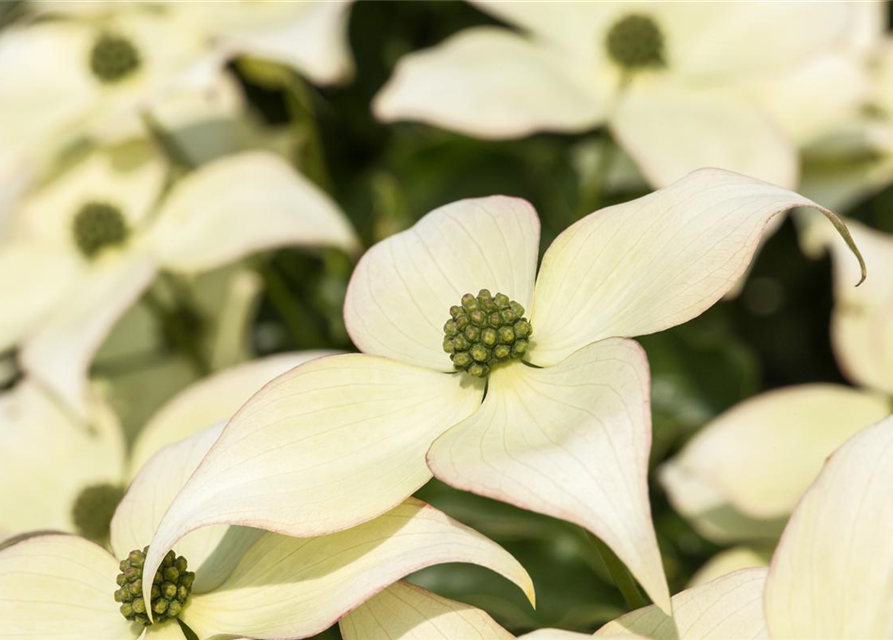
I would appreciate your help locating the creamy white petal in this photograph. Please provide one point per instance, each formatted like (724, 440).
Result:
(401, 292)
(333, 443)
(671, 130)
(652, 263)
(576, 27)
(729, 561)
(167, 631)
(491, 83)
(38, 64)
(832, 573)
(59, 586)
(60, 352)
(209, 401)
(729, 607)
(763, 454)
(151, 493)
(571, 441)
(862, 322)
(716, 40)
(799, 100)
(241, 204)
(49, 458)
(404, 611)
(710, 512)
(33, 280)
(288, 587)
(311, 37)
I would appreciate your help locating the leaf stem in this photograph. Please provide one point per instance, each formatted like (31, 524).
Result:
(621, 576)
(177, 330)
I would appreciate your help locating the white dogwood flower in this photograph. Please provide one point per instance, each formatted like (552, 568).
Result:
(565, 426)
(63, 79)
(673, 82)
(221, 581)
(87, 245)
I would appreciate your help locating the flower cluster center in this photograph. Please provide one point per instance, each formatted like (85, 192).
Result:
(170, 587)
(635, 42)
(94, 508)
(98, 225)
(113, 58)
(485, 331)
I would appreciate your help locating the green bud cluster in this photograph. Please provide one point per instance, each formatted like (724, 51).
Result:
(485, 331)
(94, 508)
(98, 225)
(170, 587)
(113, 58)
(635, 42)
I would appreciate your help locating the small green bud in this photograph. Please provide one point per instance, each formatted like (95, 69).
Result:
(480, 353)
(486, 332)
(506, 335)
(502, 351)
(462, 359)
(508, 316)
(170, 589)
(113, 58)
(489, 336)
(635, 42)
(519, 348)
(522, 329)
(479, 370)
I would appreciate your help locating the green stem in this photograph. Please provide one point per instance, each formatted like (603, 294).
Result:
(301, 329)
(175, 152)
(592, 191)
(620, 575)
(177, 332)
(300, 108)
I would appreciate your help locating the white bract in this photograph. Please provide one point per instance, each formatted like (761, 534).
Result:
(566, 432)
(83, 248)
(53, 461)
(675, 83)
(741, 476)
(247, 582)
